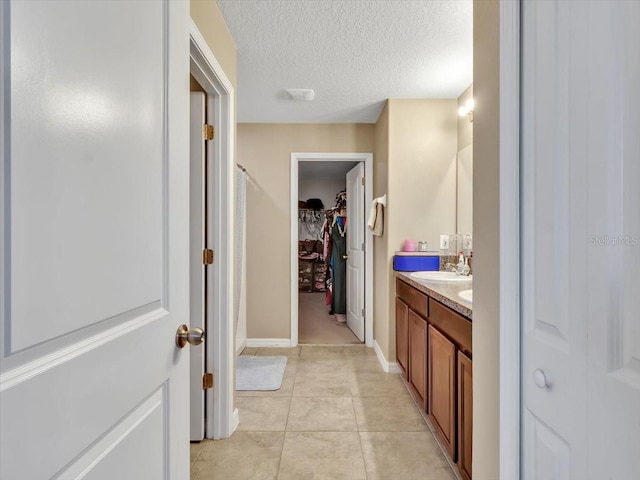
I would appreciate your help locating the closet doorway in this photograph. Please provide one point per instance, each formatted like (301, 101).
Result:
(331, 274)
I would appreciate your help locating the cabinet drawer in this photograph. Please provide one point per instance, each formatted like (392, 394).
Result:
(416, 300)
(456, 327)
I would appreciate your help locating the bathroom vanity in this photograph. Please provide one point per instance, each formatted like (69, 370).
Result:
(433, 350)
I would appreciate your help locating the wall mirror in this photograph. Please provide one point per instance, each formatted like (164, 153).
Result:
(464, 188)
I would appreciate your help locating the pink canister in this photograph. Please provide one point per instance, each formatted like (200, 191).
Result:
(409, 246)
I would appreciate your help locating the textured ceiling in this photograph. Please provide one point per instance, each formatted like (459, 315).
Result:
(354, 54)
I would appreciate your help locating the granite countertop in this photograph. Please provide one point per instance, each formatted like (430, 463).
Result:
(444, 292)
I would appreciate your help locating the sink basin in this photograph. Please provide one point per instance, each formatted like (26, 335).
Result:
(466, 295)
(440, 276)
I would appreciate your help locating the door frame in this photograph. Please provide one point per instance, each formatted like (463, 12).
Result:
(509, 214)
(221, 418)
(367, 159)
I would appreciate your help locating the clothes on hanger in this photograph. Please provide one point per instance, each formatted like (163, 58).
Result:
(335, 236)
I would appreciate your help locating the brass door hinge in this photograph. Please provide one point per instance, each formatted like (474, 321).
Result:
(207, 256)
(207, 380)
(207, 132)
(362, 180)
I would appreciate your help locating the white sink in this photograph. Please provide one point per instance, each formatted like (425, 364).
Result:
(440, 276)
(466, 295)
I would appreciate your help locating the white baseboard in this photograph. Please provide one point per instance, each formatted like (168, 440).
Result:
(268, 342)
(241, 346)
(235, 421)
(388, 367)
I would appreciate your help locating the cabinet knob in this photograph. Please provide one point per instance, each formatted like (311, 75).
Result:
(540, 379)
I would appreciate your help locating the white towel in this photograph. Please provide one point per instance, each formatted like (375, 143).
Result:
(376, 217)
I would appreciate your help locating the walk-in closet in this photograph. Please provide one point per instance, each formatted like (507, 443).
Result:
(323, 229)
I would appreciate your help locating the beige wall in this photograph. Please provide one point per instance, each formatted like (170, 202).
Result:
(381, 261)
(209, 20)
(486, 240)
(465, 127)
(265, 149)
(422, 146)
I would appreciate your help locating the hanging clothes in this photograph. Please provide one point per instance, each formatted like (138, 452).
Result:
(339, 264)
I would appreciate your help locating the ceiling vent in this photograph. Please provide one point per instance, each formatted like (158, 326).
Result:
(305, 94)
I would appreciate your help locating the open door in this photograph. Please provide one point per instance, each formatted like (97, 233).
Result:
(94, 253)
(355, 250)
(197, 191)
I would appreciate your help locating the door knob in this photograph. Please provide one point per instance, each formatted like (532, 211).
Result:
(195, 336)
(540, 379)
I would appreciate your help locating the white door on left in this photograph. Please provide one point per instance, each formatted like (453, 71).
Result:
(94, 240)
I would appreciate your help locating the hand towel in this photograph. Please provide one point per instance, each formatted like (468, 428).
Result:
(376, 217)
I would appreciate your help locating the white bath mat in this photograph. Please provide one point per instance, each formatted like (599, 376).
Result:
(259, 373)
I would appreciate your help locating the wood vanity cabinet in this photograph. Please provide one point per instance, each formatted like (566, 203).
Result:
(402, 336)
(442, 387)
(418, 356)
(433, 349)
(465, 415)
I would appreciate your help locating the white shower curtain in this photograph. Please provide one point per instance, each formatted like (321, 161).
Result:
(239, 247)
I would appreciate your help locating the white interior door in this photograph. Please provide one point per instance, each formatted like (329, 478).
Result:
(94, 240)
(355, 250)
(196, 267)
(581, 240)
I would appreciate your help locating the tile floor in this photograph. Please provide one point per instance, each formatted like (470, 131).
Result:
(336, 416)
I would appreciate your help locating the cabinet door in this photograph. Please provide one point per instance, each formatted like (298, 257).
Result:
(465, 415)
(402, 336)
(418, 355)
(442, 387)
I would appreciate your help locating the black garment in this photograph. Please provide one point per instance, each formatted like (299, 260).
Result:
(338, 252)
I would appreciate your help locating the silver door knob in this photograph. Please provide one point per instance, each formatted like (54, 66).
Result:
(195, 336)
(540, 379)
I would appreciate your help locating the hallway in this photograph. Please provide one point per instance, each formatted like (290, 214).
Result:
(316, 326)
(336, 416)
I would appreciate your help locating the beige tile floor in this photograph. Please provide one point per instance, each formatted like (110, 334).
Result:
(336, 416)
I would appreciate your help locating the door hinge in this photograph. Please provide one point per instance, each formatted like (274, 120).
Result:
(363, 313)
(207, 380)
(207, 256)
(362, 180)
(207, 132)
(364, 247)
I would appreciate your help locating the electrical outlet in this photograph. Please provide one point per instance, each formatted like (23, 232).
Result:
(444, 242)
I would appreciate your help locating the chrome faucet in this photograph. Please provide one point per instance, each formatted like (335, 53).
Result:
(461, 268)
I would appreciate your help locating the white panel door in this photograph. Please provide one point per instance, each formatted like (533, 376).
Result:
(196, 268)
(355, 252)
(94, 249)
(580, 240)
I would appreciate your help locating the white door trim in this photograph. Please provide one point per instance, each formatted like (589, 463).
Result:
(510, 318)
(219, 323)
(367, 158)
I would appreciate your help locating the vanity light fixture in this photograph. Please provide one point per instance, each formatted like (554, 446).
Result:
(467, 109)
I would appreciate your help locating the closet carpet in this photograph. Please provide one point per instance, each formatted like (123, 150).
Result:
(316, 326)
